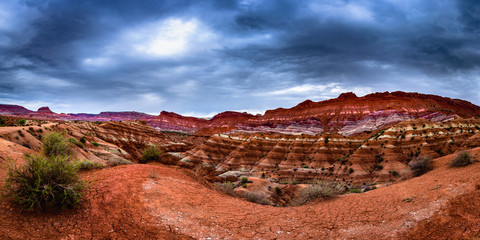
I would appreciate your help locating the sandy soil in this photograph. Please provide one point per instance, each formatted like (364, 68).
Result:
(157, 202)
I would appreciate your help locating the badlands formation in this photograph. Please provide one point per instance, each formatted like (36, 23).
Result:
(363, 143)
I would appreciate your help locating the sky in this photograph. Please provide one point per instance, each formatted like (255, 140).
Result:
(202, 57)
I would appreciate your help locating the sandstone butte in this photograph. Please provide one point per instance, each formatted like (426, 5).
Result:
(355, 141)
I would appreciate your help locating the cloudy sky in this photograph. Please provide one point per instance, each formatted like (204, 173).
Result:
(203, 57)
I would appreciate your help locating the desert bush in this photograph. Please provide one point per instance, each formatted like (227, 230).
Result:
(74, 141)
(226, 187)
(256, 198)
(22, 122)
(355, 190)
(318, 190)
(83, 140)
(20, 133)
(54, 144)
(151, 153)
(95, 144)
(244, 180)
(463, 159)
(87, 165)
(44, 183)
(420, 165)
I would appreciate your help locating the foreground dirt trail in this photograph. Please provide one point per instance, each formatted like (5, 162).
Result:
(158, 202)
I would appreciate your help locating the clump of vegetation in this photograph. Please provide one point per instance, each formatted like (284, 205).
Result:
(83, 140)
(87, 165)
(74, 141)
(44, 183)
(256, 198)
(463, 159)
(20, 133)
(151, 153)
(226, 187)
(54, 144)
(22, 122)
(95, 144)
(355, 190)
(318, 190)
(420, 166)
(395, 173)
(243, 180)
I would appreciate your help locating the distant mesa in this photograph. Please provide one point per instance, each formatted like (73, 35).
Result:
(347, 95)
(7, 109)
(45, 110)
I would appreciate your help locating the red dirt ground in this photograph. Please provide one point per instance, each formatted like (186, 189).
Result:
(157, 202)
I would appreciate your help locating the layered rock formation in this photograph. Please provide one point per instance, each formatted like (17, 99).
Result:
(347, 115)
(175, 122)
(381, 156)
(110, 116)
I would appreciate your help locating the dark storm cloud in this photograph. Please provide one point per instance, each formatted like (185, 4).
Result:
(202, 57)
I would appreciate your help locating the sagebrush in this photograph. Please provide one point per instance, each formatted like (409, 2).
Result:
(44, 183)
(420, 165)
(151, 153)
(55, 144)
(462, 159)
(318, 190)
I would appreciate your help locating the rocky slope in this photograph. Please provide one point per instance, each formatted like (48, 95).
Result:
(109, 143)
(379, 157)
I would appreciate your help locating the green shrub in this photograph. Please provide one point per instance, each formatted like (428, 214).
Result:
(244, 180)
(355, 190)
(83, 140)
(54, 144)
(151, 153)
(74, 141)
(95, 144)
(87, 165)
(22, 122)
(420, 165)
(44, 183)
(318, 190)
(463, 159)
